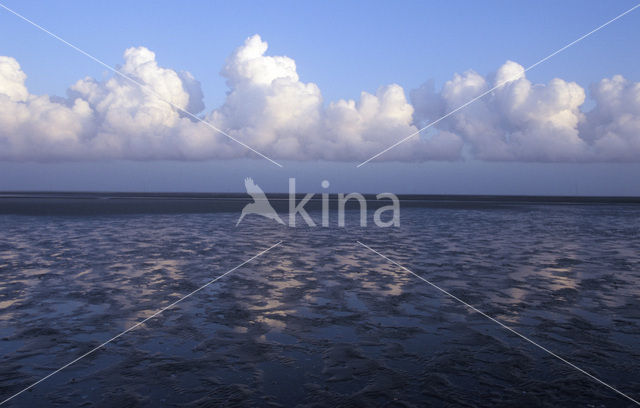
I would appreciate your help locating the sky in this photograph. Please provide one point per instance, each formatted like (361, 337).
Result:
(321, 87)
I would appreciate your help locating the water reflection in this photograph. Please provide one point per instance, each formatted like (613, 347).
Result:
(334, 320)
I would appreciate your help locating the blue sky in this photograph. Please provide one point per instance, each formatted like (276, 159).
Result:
(344, 48)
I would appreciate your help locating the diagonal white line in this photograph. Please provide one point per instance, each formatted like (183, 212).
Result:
(140, 323)
(499, 85)
(140, 84)
(501, 324)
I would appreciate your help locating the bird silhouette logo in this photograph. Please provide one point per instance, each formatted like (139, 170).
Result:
(260, 204)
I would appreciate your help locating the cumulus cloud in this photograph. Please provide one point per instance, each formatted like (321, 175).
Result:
(517, 121)
(613, 126)
(535, 122)
(109, 119)
(35, 126)
(269, 108)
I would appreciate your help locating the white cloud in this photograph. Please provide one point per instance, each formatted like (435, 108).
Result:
(536, 122)
(613, 126)
(517, 121)
(34, 126)
(12, 80)
(270, 109)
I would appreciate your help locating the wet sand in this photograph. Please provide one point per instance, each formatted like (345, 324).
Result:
(321, 321)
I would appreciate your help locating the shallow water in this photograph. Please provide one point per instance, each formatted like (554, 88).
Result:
(321, 320)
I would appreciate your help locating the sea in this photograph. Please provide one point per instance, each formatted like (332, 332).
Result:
(472, 301)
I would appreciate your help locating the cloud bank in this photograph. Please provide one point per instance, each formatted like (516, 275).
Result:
(271, 110)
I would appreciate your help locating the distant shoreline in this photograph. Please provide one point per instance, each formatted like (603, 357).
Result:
(111, 203)
(370, 196)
